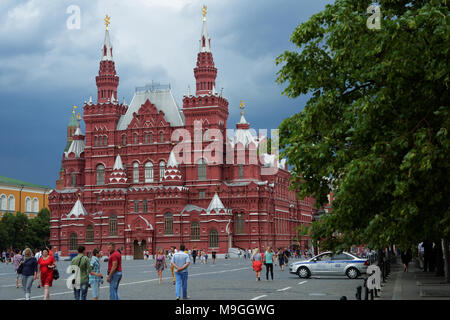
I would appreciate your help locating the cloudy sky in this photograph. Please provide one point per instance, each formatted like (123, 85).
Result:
(46, 67)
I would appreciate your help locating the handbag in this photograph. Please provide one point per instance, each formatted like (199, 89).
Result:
(20, 268)
(55, 274)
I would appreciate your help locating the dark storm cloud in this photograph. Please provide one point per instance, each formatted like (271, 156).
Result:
(45, 68)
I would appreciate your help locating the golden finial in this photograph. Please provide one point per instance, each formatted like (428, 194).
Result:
(242, 107)
(204, 12)
(107, 23)
(73, 110)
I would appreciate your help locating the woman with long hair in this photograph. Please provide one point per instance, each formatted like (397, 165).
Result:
(281, 258)
(268, 258)
(256, 259)
(160, 262)
(46, 266)
(29, 271)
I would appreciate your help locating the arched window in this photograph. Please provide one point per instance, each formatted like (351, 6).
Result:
(73, 242)
(35, 205)
(240, 223)
(162, 169)
(73, 179)
(213, 239)
(241, 171)
(124, 140)
(11, 203)
(201, 169)
(150, 138)
(135, 172)
(27, 204)
(89, 233)
(105, 141)
(100, 175)
(3, 202)
(113, 225)
(162, 136)
(195, 231)
(96, 141)
(168, 223)
(148, 172)
(135, 138)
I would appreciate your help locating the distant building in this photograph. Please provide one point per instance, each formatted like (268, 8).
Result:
(121, 181)
(21, 196)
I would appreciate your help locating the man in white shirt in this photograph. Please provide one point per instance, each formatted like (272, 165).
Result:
(420, 251)
(38, 256)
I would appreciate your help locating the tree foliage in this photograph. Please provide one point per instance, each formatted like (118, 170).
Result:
(375, 130)
(18, 231)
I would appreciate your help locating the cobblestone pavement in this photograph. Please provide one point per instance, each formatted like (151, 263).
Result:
(228, 279)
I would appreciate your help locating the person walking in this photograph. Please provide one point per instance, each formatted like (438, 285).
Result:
(114, 271)
(17, 260)
(269, 257)
(281, 258)
(213, 254)
(7, 257)
(46, 264)
(256, 259)
(85, 270)
(420, 250)
(194, 254)
(170, 257)
(95, 277)
(29, 271)
(406, 259)
(160, 262)
(181, 262)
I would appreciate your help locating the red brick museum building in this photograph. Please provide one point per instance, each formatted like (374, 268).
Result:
(125, 180)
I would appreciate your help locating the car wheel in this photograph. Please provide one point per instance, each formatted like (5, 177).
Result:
(352, 273)
(303, 272)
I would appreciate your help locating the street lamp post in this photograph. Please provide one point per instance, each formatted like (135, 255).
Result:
(101, 229)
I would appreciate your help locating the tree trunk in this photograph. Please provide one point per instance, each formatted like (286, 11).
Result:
(445, 252)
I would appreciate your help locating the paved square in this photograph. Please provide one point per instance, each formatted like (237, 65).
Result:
(228, 279)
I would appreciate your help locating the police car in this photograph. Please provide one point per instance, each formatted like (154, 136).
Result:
(327, 263)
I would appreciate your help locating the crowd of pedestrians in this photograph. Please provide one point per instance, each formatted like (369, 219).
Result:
(41, 265)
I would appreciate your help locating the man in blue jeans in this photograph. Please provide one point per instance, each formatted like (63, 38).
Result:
(114, 271)
(83, 271)
(181, 261)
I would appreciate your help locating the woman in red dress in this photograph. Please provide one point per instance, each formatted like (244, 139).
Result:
(46, 265)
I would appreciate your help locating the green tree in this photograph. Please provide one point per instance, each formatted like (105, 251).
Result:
(18, 231)
(41, 228)
(375, 130)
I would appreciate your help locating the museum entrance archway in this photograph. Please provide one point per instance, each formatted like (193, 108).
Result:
(139, 247)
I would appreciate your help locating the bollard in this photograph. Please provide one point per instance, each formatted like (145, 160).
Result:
(358, 292)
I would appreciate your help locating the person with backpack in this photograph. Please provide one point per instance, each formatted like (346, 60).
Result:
(84, 269)
(17, 260)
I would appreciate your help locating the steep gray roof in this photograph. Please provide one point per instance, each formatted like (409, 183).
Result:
(163, 101)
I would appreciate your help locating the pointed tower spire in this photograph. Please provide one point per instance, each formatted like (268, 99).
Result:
(118, 175)
(205, 72)
(107, 79)
(172, 174)
(205, 40)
